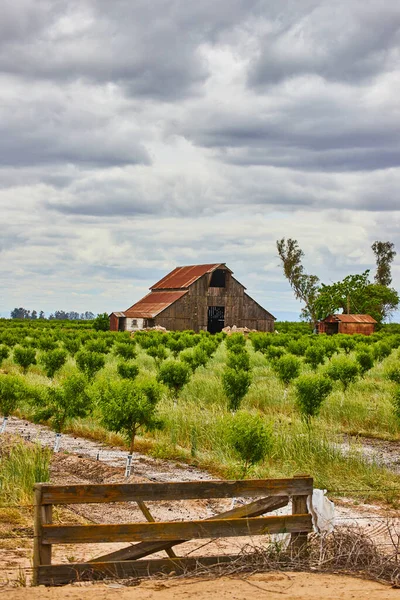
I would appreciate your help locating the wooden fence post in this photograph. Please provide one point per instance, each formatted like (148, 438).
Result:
(42, 516)
(299, 541)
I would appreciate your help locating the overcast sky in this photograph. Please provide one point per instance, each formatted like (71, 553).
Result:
(138, 135)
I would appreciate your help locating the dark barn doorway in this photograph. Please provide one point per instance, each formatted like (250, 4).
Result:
(332, 328)
(216, 319)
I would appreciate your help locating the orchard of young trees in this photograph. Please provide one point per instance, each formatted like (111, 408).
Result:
(261, 404)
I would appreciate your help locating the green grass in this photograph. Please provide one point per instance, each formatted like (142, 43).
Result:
(21, 466)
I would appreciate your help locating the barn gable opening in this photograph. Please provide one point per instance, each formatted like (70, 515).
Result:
(218, 278)
(216, 319)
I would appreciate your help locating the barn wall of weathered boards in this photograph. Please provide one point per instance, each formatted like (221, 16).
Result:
(197, 297)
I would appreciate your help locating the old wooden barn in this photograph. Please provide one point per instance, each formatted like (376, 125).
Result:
(197, 297)
(350, 324)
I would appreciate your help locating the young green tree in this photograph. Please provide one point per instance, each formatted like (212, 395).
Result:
(89, 362)
(343, 369)
(97, 345)
(101, 322)
(4, 352)
(238, 361)
(72, 345)
(128, 407)
(365, 361)
(347, 342)
(381, 350)
(393, 374)
(159, 353)
(24, 357)
(311, 391)
(250, 438)
(287, 368)
(63, 403)
(315, 356)
(128, 370)
(174, 374)
(12, 391)
(236, 385)
(236, 342)
(126, 351)
(194, 357)
(53, 361)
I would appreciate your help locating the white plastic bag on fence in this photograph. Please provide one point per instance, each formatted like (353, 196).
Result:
(322, 511)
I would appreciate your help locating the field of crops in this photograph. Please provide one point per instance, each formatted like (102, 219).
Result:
(270, 405)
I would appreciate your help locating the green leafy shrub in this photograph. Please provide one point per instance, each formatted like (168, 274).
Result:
(4, 352)
(72, 345)
(194, 358)
(97, 345)
(89, 362)
(311, 391)
(24, 357)
(365, 361)
(159, 353)
(393, 374)
(174, 374)
(344, 370)
(12, 391)
(314, 356)
(239, 361)
(347, 342)
(128, 370)
(61, 404)
(127, 407)
(126, 351)
(381, 350)
(236, 385)
(101, 322)
(330, 347)
(273, 352)
(287, 368)
(250, 438)
(297, 347)
(53, 361)
(235, 342)
(47, 343)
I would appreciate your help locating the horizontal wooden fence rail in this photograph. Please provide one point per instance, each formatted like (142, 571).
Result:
(154, 536)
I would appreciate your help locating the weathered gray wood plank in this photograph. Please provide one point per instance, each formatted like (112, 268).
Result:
(169, 531)
(188, 490)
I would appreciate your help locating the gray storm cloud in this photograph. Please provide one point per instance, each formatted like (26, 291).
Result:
(135, 136)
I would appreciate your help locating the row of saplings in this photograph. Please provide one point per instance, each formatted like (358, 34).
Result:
(195, 351)
(310, 389)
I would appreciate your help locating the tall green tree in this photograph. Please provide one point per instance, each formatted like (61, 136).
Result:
(305, 286)
(384, 255)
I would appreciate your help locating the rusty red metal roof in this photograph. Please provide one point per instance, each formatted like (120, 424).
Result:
(350, 319)
(152, 304)
(183, 277)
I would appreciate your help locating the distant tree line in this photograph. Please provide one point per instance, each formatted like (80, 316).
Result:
(59, 315)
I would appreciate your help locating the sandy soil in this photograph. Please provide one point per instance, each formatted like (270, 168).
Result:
(295, 586)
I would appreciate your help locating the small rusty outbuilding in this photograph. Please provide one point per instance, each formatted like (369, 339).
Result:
(197, 297)
(350, 324)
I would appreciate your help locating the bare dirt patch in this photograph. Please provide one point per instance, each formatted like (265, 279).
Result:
(296, 586)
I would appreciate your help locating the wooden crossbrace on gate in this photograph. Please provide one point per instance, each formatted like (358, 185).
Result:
(154, 536)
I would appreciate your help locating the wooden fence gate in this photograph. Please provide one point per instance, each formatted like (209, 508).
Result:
(151, 536)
